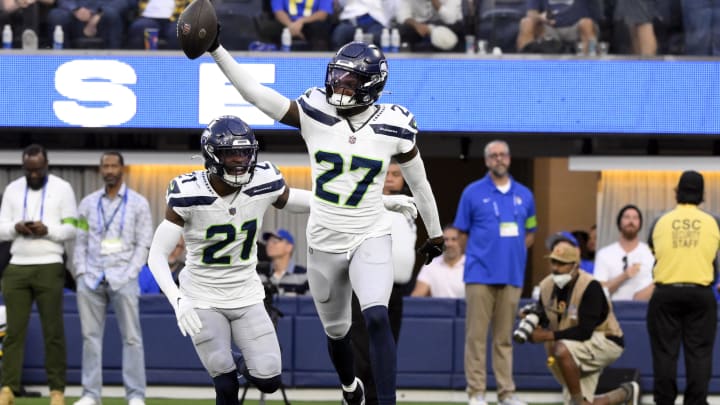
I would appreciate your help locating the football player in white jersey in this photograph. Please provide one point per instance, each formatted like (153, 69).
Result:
(219, 212)
(350, 140)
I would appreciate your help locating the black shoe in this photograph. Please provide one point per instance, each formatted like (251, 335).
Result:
(356, 397)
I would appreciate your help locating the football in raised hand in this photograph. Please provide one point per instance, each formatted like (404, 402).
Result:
(197, 28)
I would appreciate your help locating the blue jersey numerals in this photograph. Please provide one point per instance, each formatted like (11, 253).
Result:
(373, 168)
(210, 252)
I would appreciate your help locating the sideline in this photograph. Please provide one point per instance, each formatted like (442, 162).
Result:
(326, 394)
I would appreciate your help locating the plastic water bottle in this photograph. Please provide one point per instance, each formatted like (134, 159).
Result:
(29, 40)
(385, 40)
(58, 37)
(394, 40)
(359, 37)
(7, 36)
(286, 40)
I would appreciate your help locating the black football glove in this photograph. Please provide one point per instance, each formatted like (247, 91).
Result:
(432, 248)
(216, 43)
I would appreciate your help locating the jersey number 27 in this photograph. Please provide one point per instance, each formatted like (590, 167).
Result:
(373, 168)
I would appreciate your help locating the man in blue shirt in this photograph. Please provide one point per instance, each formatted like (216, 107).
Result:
(307, 20)
(497, 214)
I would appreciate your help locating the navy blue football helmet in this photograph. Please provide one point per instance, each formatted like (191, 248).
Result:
(355, 76)
(225, 138)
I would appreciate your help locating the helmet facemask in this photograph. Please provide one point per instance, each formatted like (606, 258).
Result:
(230, 150)
(238, 164)
(356, 76)
(348, 89)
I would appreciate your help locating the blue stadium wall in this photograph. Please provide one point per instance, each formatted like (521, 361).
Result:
(430, 352)
(457, 93)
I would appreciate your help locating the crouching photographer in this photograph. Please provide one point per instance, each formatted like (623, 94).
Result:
(575, 321)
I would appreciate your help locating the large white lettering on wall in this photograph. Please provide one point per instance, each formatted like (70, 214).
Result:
(96, 93)
(218, 96)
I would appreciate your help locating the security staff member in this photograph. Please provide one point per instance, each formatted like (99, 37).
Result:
(683, 308)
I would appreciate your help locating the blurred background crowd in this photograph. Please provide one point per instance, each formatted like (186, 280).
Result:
(641, 27)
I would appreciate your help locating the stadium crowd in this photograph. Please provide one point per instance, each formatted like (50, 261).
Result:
(641, 27)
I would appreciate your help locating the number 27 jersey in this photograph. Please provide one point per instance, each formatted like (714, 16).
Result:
(348, 169)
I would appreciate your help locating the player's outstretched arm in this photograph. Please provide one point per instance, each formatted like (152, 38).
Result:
(413, 170)
(295, 200)
(269, 101)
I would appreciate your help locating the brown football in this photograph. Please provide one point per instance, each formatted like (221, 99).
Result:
(197, 28)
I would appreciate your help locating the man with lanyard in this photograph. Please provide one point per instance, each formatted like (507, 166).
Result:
(111, 247)
(497, 214)
(38, 215)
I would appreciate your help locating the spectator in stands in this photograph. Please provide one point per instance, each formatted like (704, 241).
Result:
(638, 16)
(158, 14)
(38, 214)
(24, 14)
(176, 262)
(701, 23)
(586, 262)
(115, 230)
(592, 242)
(579, 329)
(625, 267)
(404, 236)
(369, 15)
(284, 273)
(443, 277)
(307, 20)
(682, 308)
(90, 18)
(568, 22)
(498, 215)
(431, 24)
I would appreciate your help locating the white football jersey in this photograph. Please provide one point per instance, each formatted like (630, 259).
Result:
(348, 169)
(221, 234)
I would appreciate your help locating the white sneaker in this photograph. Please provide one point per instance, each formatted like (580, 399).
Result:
(86, 400)
(477, 399)
(512, 400)
(136, 401)
(633, 391)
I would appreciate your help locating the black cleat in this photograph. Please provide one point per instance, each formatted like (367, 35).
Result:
(356, 397)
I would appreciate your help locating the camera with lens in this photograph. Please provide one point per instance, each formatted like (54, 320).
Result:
(534, 316)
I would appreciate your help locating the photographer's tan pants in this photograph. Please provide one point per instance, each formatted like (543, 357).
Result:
(490, 306)
(591, 356)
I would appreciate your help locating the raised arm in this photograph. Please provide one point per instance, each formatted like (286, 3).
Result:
(269, 101)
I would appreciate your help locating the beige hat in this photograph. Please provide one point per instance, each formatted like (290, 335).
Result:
(565, 252)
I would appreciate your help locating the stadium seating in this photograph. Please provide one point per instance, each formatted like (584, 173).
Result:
(430, 353)
(240, 15)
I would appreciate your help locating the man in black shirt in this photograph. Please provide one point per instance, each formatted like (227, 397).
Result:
(578, 327)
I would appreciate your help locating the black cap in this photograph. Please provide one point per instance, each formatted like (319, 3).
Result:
(690, 187)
